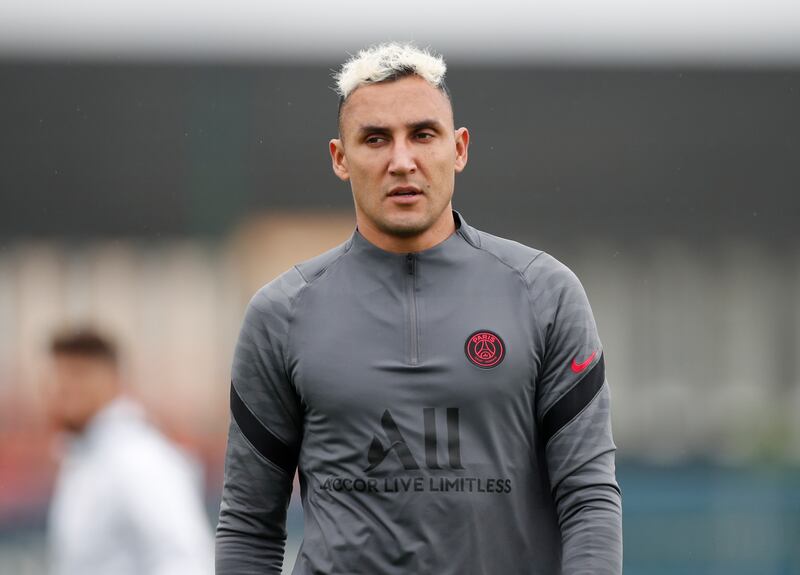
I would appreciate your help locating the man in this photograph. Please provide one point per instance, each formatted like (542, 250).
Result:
(440, 390)
(126, 501)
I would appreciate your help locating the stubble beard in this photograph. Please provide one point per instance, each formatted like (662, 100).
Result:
(405, 229)
(396, 223)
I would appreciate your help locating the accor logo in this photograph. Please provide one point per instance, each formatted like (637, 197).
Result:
(377, 452)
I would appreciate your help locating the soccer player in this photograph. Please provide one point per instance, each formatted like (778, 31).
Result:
(126, 502)
(441, 390)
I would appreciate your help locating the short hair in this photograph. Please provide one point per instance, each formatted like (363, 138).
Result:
(386, 62)
(84, 341)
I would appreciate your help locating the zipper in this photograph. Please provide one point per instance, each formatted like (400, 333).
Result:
(411, 268)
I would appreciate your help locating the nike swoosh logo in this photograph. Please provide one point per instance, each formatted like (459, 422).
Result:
(579, 367)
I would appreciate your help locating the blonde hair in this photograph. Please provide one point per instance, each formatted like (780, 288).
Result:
(389, 61)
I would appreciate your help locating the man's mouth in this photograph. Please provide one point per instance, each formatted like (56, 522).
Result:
(405, 191)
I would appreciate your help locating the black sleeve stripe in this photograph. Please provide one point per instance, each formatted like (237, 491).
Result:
(573, 402)
(266, 443)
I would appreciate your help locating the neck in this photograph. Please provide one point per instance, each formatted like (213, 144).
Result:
(437, 233)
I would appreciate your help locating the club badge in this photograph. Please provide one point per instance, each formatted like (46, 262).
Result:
(485, 349)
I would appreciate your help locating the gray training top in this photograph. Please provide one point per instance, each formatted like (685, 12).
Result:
(447, 411)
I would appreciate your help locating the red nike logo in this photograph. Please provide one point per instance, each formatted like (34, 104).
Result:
(579, 367)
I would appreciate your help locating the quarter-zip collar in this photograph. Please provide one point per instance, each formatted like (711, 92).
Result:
(408, 273)
(361, 246)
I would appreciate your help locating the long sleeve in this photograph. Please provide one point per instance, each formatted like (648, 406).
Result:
(574, 417)
(264, 437)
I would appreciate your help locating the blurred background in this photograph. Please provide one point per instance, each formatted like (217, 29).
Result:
(159, 162)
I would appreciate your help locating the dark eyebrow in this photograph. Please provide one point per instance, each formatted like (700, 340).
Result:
(373, 129)
(414, 126)
(423, 124)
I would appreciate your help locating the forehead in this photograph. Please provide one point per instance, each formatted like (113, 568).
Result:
(396, 102)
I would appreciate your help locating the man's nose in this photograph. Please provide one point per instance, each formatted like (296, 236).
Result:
(402, 161)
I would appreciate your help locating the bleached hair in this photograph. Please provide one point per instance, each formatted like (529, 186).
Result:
(389, 61)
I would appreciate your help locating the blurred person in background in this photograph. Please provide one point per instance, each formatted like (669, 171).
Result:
(441, 390)
(126, 500)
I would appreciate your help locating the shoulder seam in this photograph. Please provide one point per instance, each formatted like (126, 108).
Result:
(542, 331)
(290, 321)
(284, 352)
(530, 263)
(322, 272)
(300, 293)
(504, 262)
(524, 283)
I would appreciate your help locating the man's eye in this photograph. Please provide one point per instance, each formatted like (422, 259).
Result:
(424, 136)
(374, 139)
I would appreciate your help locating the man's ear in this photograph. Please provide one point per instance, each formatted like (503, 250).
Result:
(338, 159)
(462, 148)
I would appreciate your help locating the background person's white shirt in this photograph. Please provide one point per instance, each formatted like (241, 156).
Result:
(127, 502)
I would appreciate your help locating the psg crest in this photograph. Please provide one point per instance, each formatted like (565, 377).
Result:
(484, 348)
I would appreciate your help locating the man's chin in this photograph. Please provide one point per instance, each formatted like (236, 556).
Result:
(405, 228)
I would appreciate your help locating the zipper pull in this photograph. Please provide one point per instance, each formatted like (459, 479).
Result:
(410, 264)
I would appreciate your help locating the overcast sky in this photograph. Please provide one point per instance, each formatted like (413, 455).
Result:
(713, 31)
